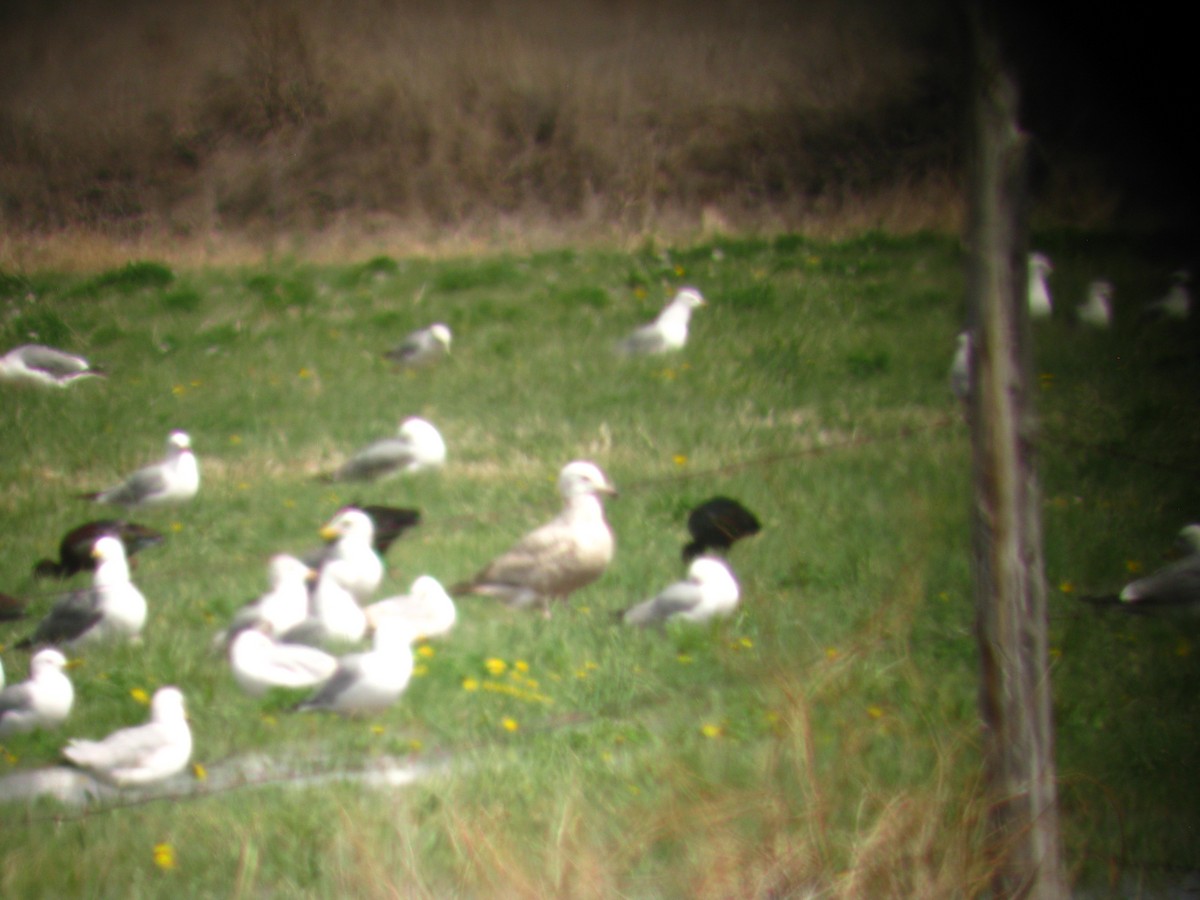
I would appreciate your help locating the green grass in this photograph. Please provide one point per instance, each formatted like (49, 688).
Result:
(822, 740)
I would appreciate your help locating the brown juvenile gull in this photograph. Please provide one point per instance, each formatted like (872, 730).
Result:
(45, 366)
(142, 754)
(174, 479)
(571, 550)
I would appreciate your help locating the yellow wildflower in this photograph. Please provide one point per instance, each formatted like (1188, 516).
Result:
(425, 651)
(140, 696)
(679, 459)
(509, 724)
(495, 666)
(470, 684)
(710, 730)
(521, 666)
(164, 857)
(1066, 587)
(1133, 566)
(199, 772)
(875, 712)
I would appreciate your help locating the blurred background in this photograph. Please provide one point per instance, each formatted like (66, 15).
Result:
(378, 120)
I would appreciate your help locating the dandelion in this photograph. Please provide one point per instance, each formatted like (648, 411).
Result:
(832, 653)
(1133, 566)
(710, 730)
(164, 857)
(305, 373)
(521, 666)
(679, 272)
(140, 696)
(377, 729)
(744, 641)
(685, 658)
(495, 666)
(875, 712)
(509, 724)
(1055, 653)
(679, 459)
(199, 772)
(639, 292)
(235, 440)
(176, 527)
(269, 720)
(179, 390)
(425, 651)
(9, 757)
(415, 745)
(1067, 587)
(196, 383)
(470, 684)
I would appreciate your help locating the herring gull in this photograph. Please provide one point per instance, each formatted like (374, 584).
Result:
(571, 550)
(716, 524)
(709, 590)
(422, 346)
(427, 608)
(44, 701)
(416, 447)
(372, 680)
(45, 366)
(1177, 304)
(141, 754)
(335, 615)
(669, 331)
(1097, 310)
(283, 606)
(174, 479)
(1040, 306)
(75, 548)
(112, 608)
(1173, 590)
(260, 663)
(351, 534)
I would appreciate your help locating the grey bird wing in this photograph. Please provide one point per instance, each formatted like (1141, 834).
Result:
(345, 677)
(53, 362)
(15, 697)
(647, 339)
(1175, 585)
(121, 749)
(137, 487)
(73, 615)
(375, 460)
(409, 348)
(681, 597)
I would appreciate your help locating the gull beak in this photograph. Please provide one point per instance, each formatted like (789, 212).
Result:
(329, 534)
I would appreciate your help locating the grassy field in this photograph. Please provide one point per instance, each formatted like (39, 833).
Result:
(822, 742)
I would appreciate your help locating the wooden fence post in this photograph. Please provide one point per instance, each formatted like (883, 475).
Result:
(1010, 591)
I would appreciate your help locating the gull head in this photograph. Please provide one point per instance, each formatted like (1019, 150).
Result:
(167, 705)
(179, 442)
(708, 570)
(47, 660)
(581, 477)
(349, 521)
(441, 334)
(108, 548)
(1040, 263)
(689, 297)
(284, 568)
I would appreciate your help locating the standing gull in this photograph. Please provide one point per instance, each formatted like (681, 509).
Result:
(44, 701)
(709, 590)
(669, 331)
(352, 534)
(370, 681)
(142, 754)
(173, 480)
(422, 347)
(1040, 306)
(571, 550)
(390, 523)
(75, 548)
(112, 608)
(45, 366)
(1177, 304)
(427, 608)
(259, 663)
(417, 446)
(1097, 310)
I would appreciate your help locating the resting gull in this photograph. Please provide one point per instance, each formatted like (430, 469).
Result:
(75, 549)
(173, 480)
(422, 346)
(1097, 310)
(44, 701)
(142, 754)
(570, 551)
(335, 615)
(1177, 304)
(45, 366)
(669, 331)
(716, 524)
(369, 681)
(1040, 306)
(390, 523)
(112, 608)
(1170, 591)
(283, 606)
(709, 590)
(259, 663)
(427, 608)
(416, 447)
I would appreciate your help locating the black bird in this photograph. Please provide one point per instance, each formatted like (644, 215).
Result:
(75, 549)
(716, 524)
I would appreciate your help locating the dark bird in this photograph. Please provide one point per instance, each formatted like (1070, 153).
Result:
(716, 524)
(75, 549)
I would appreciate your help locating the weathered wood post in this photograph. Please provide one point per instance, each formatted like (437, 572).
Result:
(1010, 591)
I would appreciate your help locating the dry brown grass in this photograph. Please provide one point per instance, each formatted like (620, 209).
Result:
(225, 132)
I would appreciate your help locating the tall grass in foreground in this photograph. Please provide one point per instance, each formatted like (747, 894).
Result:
(821, 742)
